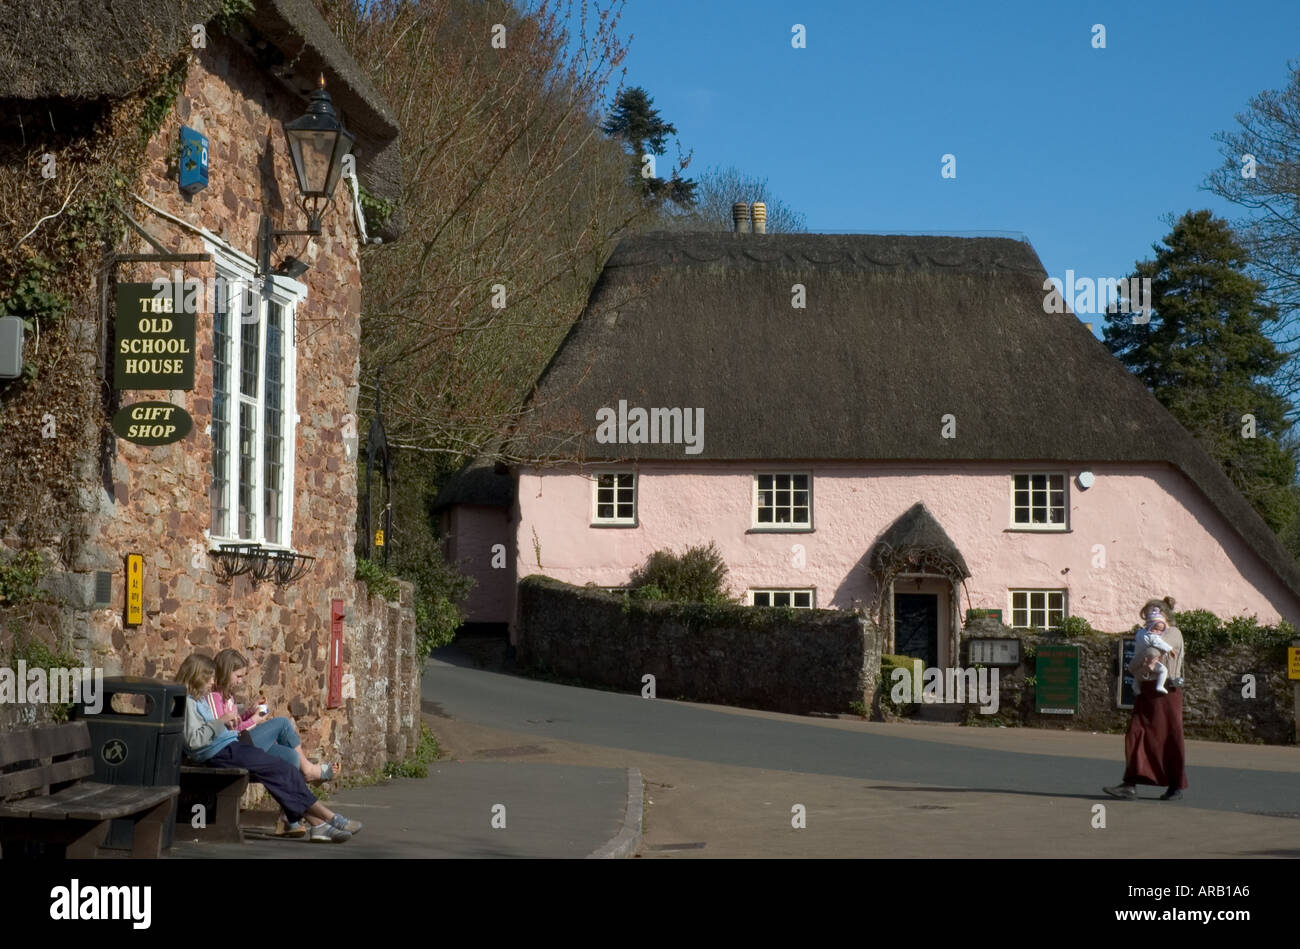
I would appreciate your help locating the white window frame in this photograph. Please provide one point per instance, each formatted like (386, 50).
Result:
(596, 519)
(811, 591)
(1053, 527)
(800, 526)
(290, 295)
(1011, 606)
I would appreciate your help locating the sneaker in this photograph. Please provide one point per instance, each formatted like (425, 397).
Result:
(342, 823)
(1177, 683)
(328, 834)
(1125, 792)
(1173, 794)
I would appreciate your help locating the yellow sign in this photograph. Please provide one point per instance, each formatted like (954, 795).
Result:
(134, 589)
(379, 538)
(1293, 662)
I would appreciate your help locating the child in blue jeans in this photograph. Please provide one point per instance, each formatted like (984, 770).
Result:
(275, 736)
(216, 741)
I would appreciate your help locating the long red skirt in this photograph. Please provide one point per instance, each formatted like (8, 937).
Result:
(1153, 746)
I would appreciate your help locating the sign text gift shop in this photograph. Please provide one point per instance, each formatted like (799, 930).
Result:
(153, 349)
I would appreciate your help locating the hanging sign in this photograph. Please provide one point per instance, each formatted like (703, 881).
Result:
(152, 423)
(193, 161)
(154, 346)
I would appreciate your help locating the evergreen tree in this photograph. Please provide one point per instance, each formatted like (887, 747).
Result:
(1205, 356)
(636, 121)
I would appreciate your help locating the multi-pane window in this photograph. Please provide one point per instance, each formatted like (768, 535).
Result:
(783, 500)
(799, 599)
(252, 404)
(616, 498)
(222, 359)
(1037, 609)
(1038, 500)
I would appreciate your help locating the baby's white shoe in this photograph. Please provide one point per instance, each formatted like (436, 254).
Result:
(1162, 690)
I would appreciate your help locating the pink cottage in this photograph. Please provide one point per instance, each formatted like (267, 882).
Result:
(881, 422)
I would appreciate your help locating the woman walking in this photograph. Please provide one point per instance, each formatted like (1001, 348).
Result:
(1153, 745)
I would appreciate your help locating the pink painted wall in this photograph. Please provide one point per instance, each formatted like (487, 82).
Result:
(471, 531)
(1160, 536)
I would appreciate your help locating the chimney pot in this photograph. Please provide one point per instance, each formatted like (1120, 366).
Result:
(758, 211)
(740, 217)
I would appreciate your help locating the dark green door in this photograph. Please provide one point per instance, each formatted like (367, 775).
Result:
(916, 626)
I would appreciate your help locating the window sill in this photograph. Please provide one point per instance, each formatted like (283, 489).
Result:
(1037, 530)
(781, 530)
(615, 524)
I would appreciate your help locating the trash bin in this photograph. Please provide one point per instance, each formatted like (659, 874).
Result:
(137, 738)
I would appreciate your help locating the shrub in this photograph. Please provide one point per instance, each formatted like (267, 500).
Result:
(697, 576)
(1074, 626)
(888, 664)
(1203, 632)
(20, 577)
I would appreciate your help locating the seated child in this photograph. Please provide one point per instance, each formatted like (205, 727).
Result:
(216, 742)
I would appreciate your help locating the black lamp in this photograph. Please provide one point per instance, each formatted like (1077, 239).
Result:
(318, 143)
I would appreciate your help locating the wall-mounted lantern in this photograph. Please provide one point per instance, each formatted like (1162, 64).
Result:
(318, 143)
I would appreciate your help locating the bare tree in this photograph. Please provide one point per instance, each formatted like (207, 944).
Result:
(1261, 173)
(719, 188)
(512, 198)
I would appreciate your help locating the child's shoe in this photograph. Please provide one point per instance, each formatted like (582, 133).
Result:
(1162, 690)
(342, 823)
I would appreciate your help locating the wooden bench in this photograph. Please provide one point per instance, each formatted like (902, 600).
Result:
(49, 809)
(218, 791)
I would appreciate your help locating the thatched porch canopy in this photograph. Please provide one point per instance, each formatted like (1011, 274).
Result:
(916, 542)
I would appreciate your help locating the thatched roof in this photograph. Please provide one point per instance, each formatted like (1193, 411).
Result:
(479, 482)
(94, 49)
(915, 535)
(898, 332)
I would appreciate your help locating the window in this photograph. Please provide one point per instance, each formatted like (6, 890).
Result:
(253, 402)
(1037, 609)
(783, 501)
(799, 599)
(1038, 501)
(616, 498)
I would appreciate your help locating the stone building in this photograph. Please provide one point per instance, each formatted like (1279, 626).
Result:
(271, 460)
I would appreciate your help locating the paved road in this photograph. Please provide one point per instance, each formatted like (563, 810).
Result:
(726, 781)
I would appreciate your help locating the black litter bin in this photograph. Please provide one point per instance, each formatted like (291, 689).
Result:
(137, 738)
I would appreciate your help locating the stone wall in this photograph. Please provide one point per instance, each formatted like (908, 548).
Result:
(1213, 706)
(157, 500)
(797, 661)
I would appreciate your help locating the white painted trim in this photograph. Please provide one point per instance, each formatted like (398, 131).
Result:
(802, 527)
(595, 495)
(1010, 615)
(289, 294)
(811, 591)
(1044, 528)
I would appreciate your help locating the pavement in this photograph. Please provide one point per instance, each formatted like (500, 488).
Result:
(480, 808)
(575, 773)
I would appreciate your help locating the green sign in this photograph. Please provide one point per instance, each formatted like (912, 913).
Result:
(154, 346)
(1057, 673)
(152, 423)
(983, 614)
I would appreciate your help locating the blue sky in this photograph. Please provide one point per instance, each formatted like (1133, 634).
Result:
(1082, 150)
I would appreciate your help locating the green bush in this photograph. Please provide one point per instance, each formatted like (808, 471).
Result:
(1204, 633)
(20, 577)
(1074, 626)
(697, 576)
(438, 590)
(888, 664)
(378, 581)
